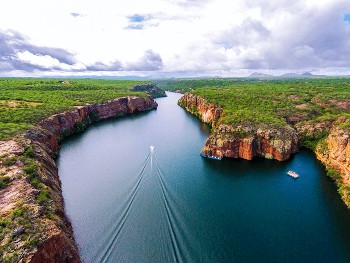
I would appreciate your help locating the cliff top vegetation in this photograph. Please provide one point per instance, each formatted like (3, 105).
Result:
(273, 102)
(25, 101)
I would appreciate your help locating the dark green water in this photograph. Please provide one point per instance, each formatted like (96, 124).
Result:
(127, 206)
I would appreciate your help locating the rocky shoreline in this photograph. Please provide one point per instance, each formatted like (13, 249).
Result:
(34, 227)
(249, 141)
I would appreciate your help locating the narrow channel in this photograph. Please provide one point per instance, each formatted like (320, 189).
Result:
(129, 205)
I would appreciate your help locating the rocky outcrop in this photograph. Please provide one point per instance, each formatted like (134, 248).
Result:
(334, 152)
(329, 140)
(56, 127)
(198, 106)
(33, 222)
(243, 141)
(151, 89)
(248, 142)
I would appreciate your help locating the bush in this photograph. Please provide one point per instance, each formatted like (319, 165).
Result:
(43, 196)
(28, 152)
(333, 174)
(9, 161)
(4, 180)
(18, 212)
(80, 126)
(3, 224)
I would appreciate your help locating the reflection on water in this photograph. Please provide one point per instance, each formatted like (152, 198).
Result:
(128, 206)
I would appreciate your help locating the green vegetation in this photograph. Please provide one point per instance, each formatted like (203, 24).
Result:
(18, 227)
(343, 189)
(9, 161)
(300, 103)
(312, 142)
(151, 89)
(25, 101)
(4, 180)
(272, 102)
(18, 212)
(187, 85)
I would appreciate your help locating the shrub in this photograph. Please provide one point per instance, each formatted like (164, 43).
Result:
(43, 196)
(9, 161)
(4, 180)
(333, 174)
(28, 152)
(18, 212)
(32, 243)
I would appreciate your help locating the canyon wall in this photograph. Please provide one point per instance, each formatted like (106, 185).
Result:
(244, 141)
(335, 154)
(33, 222)
(248, 141)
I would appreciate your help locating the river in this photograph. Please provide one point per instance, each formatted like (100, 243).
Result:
(127, 205)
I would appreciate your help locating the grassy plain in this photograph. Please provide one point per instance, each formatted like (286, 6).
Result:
(272, 102)
(25, 101)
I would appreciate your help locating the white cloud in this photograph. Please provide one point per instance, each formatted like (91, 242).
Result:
(47, 62)
(221, 36)
(39, 60)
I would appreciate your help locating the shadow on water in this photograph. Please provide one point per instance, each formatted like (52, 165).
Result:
(185, 208)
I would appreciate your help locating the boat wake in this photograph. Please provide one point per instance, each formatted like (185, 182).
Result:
(174, 238)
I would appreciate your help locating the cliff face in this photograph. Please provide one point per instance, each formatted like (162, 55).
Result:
(335, 154)
(276, 143)
(198, 106)
(35, 227)
(58, 126)
(248, 142)
(151, 89)
(244, 141)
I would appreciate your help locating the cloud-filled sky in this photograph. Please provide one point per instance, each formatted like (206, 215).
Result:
(174, 37)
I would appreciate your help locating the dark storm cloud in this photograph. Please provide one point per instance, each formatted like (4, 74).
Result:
(151, 61)
(12, 43)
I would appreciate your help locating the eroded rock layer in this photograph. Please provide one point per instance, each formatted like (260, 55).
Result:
(33, 222)
(335, 154)
(245, 141)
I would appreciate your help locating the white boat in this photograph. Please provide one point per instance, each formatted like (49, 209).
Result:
(293, 174)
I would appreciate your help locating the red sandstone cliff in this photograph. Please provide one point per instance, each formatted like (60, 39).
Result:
(244, 141)
(275, 143)
(36, 229)
(335, 154)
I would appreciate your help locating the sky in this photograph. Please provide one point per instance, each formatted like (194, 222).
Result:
(174, 38)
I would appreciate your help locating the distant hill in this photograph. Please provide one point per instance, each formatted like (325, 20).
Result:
(290, 75)
(286, 75)
(303, 75)
(307, 74)
(259, 75)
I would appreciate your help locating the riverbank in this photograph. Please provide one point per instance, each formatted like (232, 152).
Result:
(329, 140)
(34, 227)
(220, 211)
